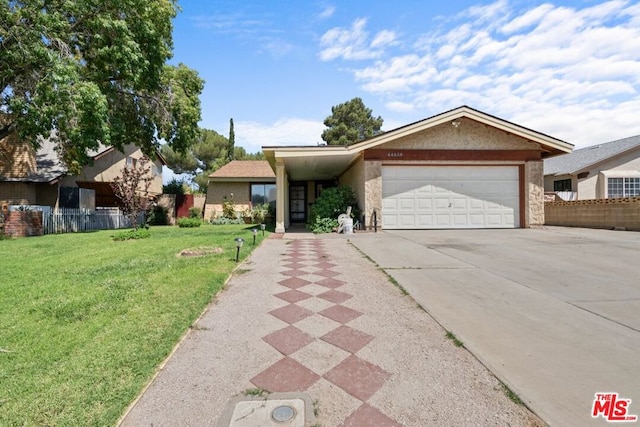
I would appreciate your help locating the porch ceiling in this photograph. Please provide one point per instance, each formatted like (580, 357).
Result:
(316, 166)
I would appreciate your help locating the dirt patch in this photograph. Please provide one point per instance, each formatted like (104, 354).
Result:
(199, 251)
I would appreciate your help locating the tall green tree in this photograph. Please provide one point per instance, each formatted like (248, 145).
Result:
(95, 72)
(206, 155)
(241, 154)
(349, 123)
(232, 140)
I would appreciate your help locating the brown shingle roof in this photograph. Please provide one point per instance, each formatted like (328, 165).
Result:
(245, 169)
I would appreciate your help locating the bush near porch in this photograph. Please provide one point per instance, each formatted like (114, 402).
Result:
(85, 320)
(323, 217)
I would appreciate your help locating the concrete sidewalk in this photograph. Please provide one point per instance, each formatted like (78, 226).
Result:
(316, 316)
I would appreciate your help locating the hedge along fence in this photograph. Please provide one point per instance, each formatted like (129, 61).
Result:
(623, 213)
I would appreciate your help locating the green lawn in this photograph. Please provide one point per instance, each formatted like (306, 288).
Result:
(85, 320)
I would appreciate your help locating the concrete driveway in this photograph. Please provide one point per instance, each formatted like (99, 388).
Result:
(554, 312)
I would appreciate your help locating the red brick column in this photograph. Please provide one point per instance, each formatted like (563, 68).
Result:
(23, 224)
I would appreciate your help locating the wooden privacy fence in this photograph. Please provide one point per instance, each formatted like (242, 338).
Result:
(67, 220)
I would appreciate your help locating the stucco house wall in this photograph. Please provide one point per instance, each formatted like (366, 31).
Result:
(354, 177)
(17, 193)
(17, 159)
(110, 164)
(217, 191)
(469, 135)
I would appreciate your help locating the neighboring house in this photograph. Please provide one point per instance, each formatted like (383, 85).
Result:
(459, 169)
(247, 182)
(28, 177)
(603, 171)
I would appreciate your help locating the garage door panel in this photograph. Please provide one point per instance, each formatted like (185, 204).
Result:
(450, 197)
(424, 204)
(406, 204)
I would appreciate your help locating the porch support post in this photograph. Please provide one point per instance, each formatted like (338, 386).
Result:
(281, 189)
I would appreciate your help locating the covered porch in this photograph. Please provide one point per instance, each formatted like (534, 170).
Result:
(301, 175)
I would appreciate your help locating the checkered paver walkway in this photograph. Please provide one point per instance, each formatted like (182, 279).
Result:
(314, 292)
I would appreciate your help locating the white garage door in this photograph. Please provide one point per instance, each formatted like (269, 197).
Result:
(432, 197)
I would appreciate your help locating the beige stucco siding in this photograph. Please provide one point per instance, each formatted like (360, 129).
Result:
(17, 193)
(109, 165)
(469, 135)
(354, 177)
(216, 193)
(17, 159)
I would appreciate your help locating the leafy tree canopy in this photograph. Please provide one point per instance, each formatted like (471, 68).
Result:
(95, 72)
(349, 123)
(206, 155)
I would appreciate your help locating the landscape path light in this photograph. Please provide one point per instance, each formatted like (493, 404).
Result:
(254, 231)
(239, 241)
(262, 227)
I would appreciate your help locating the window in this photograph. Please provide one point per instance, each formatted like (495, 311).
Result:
(263, 193)
(623, 187)
(155, 170)
(562, 185)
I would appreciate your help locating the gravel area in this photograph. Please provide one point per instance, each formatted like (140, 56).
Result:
(432, 382)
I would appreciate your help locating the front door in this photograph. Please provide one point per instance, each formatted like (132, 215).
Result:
(297, 202)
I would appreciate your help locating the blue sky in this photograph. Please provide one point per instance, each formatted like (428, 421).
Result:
(570, 69)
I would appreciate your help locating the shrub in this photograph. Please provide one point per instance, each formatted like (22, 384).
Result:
(174, 186)
(189, 222)
(158, 216)
(195, 212)
(224, 221)
(134, 234)
(259, 213)
(332, 202)
(229, 208)
(323, 225)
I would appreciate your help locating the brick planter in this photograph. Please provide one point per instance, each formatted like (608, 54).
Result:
(23, 224)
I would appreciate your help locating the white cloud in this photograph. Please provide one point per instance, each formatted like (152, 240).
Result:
(383, 38)
(353, 43)
(570, 72)
(402, 107)
(327, 12)
(530, 18)
(286, 131)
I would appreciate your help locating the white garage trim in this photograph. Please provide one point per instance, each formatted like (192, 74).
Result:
(449, 197)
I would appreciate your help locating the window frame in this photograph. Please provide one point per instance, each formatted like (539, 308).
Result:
(561, 184)
(265, 194)
(624, 187)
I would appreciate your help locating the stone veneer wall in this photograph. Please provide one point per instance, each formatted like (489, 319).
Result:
(596, 213)
(373, 192)
(534, 194)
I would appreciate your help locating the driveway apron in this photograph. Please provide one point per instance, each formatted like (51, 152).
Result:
(552, 312)
(316, 316)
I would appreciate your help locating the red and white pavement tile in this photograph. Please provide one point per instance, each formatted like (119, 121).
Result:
(316, 341)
